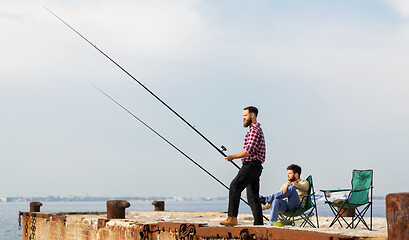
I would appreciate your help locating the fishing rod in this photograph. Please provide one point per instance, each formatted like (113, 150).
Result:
(163, 138)
(147, 89)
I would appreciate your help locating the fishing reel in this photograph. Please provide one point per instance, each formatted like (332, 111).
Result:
(223, 148)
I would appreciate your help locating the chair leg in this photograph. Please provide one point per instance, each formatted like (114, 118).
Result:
(360, 217)
(304, 222)
(309, 222)
(338, 215)
(316, 214)
(307, 219)
(371, 214)
(284, 218)
(335, 213)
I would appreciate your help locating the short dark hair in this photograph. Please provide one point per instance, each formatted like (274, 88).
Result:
(252, 110)
(295, 168)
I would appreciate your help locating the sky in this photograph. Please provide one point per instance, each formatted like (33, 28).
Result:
(328, 77)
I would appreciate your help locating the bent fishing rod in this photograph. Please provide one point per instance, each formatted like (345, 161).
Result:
(163, 138)
(147, 89)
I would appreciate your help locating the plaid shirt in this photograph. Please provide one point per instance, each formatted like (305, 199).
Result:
(254, 144)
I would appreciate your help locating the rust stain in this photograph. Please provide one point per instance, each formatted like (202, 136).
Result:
(397, 215)
(57, 228)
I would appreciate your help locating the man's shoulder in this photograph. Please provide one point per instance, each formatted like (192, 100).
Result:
(303, 181)
(256, 127)
(300, 181)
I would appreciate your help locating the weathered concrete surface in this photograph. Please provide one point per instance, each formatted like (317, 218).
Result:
(397, 215)
(178, 225)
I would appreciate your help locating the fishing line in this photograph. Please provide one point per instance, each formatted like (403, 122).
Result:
(147, 89)
(163, 138)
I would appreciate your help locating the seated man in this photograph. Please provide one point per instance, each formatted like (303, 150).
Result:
(289, 196)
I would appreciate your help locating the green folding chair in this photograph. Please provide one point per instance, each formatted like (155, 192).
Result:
(304, 213)
(360, 196)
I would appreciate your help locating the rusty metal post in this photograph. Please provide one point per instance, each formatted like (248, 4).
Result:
(159, 205)
(35, 206)
(397, 215)
(116, 208)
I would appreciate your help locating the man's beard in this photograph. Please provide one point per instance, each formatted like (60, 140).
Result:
(292, 179)
(247, 122)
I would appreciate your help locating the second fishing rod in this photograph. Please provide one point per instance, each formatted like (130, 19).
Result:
(171, 144)
(147, 89)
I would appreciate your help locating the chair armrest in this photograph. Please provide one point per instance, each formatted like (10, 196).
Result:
(337, 190)
(360, 190)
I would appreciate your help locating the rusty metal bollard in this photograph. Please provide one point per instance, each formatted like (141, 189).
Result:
(159, 205)
(397, 215)
(35, 206)
(116, 208)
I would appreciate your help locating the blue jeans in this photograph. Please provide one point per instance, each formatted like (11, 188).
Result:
(279, 204)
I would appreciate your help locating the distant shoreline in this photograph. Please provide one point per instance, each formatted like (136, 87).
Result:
(95, 199)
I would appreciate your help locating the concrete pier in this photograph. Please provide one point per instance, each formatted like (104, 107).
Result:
(177, 225)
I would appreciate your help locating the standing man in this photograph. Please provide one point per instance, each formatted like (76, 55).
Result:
(252, 156)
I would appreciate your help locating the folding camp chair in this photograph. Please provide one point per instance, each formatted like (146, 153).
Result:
(358, 196)
(304, 213)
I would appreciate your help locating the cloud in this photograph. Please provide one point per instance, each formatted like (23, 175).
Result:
(401, 6)
(359, 70)
(150, 28)
(136, 31)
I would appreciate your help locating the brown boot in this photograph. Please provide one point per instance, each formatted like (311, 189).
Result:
(230, 221)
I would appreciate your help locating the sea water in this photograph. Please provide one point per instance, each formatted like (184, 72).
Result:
(9, 210)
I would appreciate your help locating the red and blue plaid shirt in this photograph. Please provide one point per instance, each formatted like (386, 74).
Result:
(254, 144)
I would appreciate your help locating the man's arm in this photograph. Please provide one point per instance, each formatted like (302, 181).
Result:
(242, 154)
(303, 185)
(284, 187)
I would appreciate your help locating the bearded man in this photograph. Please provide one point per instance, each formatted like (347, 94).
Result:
(252, 156)
(290, 195)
